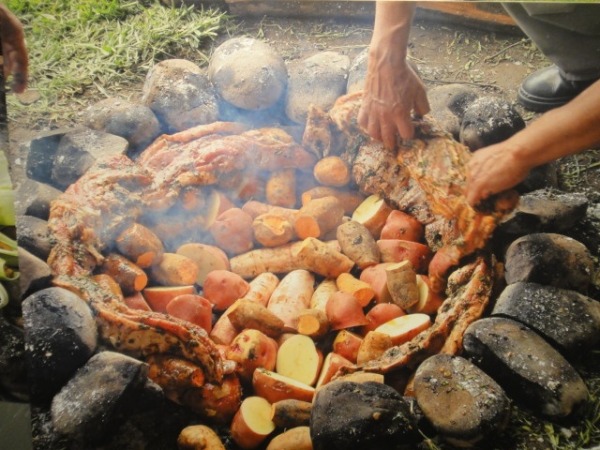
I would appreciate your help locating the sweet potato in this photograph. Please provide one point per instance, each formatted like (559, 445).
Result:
(318, 217)
(255, 262)
(376, 276)
(321, 258)
(298, 358)
(281, 188)
(380, 314)
(346, 344)
(193, 308)
(372, 213)
(272, 230)
(129, 276)
(349, 199)
(291, 296)
(332, 171)
(373, 345)
(222, 288)
(313, 323)
(362, 291)
(216, 402)
(290, 413)
(357, 242)
(199, 437)
(397, 250)
(344, 311)
(402, 284)
(252, 423)
(429, 300)
(249, 314)
(297, 438)
(400, 225)
(158, 297)
(332, 363)
(137, 301)
(174, 270)
(207, 258)
(275, 387)
(251, 349)
(404, 328)
(232, 231)
(322, 293)
(140, 245)
(255, 208)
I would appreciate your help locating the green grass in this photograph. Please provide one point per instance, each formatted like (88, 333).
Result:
(94, 48)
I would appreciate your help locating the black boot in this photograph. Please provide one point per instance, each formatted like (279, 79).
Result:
(547, 89)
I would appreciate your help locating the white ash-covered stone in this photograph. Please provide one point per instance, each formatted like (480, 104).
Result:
(33, 236)
(134, 122)
(180, 95)
(461, 401)
(248, 73)
(60, 336)
(357, 72)
(33, 198)
(79, 150)
(88, 406)
(447, 103)
(527, 367)
(317, 80)
(546, 210)
(551, 259)
(369, 416)
(34, 273)
(568, 319)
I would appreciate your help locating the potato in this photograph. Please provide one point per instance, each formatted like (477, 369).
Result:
(252, 423)
(429, 301)
(298, 358)
(400, 225)
(251, 349)
(137, 301)
(193, 308)
(222, 288)
(402, 329)
(376, 276)
(199, 437)
(218, 403)
(232, 231)
(297, 438)
(290, 413)
(275, 387)
(174, 270)
(332, 171)
(344, 311)
(382, 313)
(373, 346)
(207, 258)
(158, 297)
(397, 250)
(346, 344)
(372, 213)
(357, 242)
(332, 363)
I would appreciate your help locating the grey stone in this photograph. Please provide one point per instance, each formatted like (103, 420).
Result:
(248, 73)
(527, 367)
(93, 400)
(318, 80)
(551, 259)
(33, 236)
(461, 401)
(133, 122)
(33, 198)
(13, 369)
(568, 319)
(180, 95)
(35, 274)
(447, 103)
(60, 336)
(358, 72)
(79, 150)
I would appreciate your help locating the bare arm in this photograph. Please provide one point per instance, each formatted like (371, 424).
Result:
(560, 132)
(14, 51)
(392, 89)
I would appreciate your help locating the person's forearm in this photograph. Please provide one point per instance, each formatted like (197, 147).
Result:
(561, 132)
(392, 25)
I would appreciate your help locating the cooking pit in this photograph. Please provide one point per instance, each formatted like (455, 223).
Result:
(135, 332)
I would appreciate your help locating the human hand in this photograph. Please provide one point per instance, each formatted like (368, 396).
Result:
(392, 92)
(492, 170)
(14, 51)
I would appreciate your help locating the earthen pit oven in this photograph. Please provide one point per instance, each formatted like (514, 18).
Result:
(92, 424)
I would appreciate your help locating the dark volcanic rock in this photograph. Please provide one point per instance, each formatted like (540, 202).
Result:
(551, 259)
(529, 369)
(318, 80)
(35, 274)
(570, 320)
(369, 416)
(89, 405)
(13, 370)
(461, 401)
(135, 123)
(33, 236)
(33, 198)
(60, 336)
(79, 150)
(180, 95)
(545, 210)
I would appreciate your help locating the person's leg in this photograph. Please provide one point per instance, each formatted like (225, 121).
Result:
(571, 40)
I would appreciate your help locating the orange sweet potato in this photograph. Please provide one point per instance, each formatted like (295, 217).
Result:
(140, 245)
(281, 188)
(174, 270)
(128, 275)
